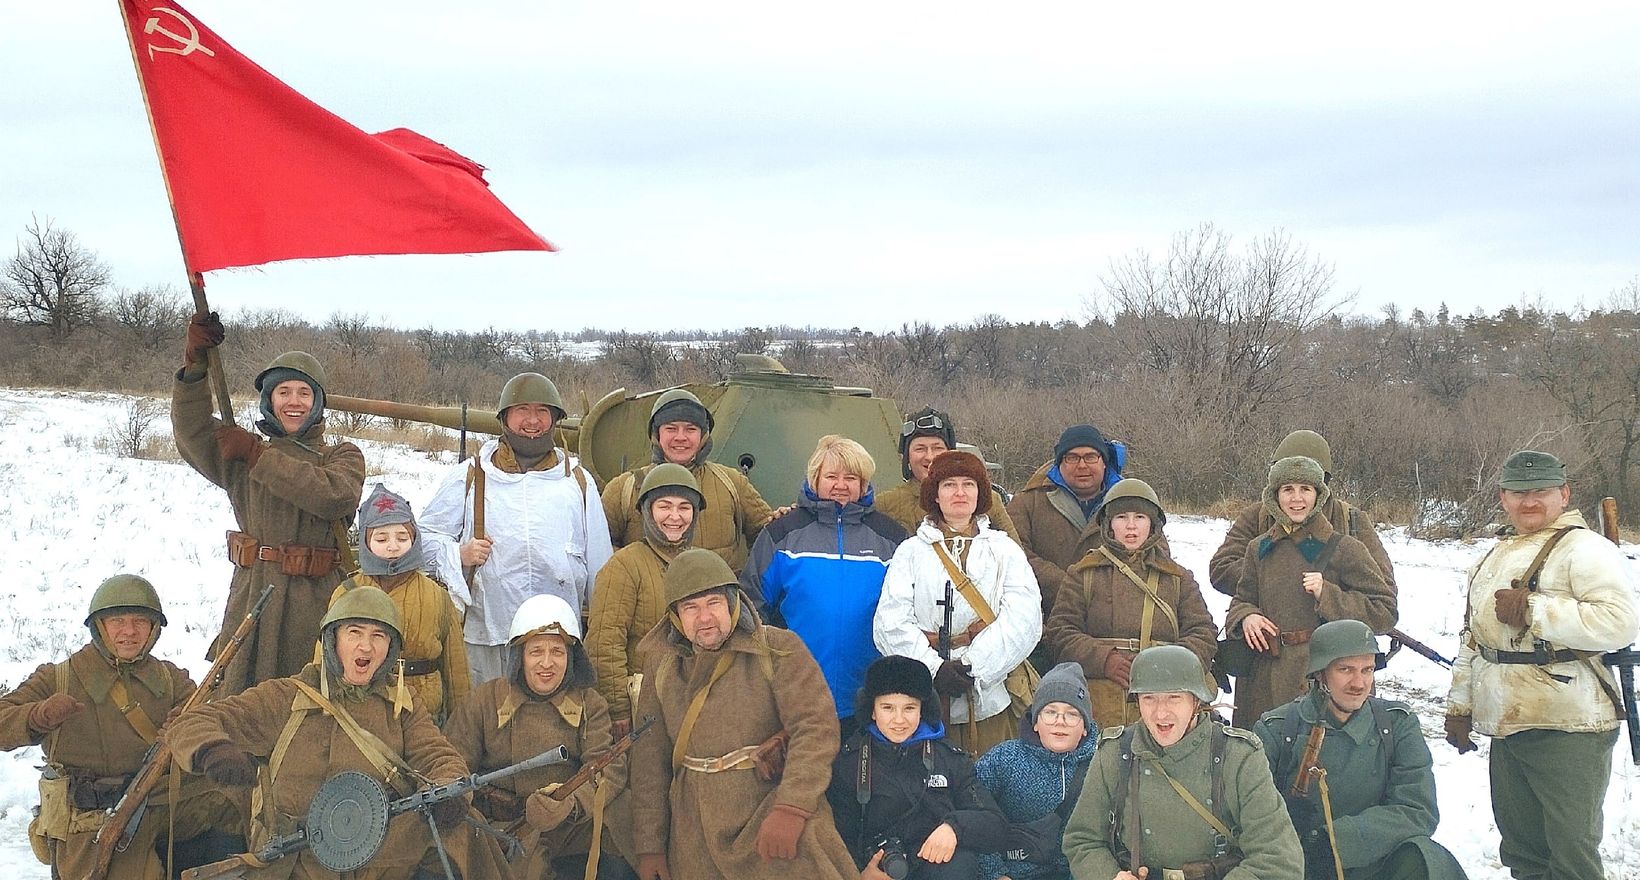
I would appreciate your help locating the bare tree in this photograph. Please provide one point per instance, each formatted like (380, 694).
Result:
(150, 316)
(1233, 325)
(52, 281)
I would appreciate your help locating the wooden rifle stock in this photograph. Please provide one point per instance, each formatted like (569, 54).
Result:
(1309, 765)
(592, 768)
(122, 822)
(1419, 648)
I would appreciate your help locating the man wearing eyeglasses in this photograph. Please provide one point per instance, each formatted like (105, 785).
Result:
(1057, 504)
(925, 434)
(1541, 607)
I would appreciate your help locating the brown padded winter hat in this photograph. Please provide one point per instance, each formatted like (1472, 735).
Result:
(956, 464)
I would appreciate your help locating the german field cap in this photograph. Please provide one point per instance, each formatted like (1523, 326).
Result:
(1530, 469)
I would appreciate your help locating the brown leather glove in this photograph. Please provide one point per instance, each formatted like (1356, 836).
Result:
(448, 814)
(1511, 607)
(226, 764)
(777, 836)
(953, 679)
(204, 332)
(652, 866)
(50, 713)
(237, 444)
(1118, 666)
(544, 813)
(1458, 730)
(620, 727)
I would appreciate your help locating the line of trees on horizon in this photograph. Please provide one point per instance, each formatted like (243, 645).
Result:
(1200, 357)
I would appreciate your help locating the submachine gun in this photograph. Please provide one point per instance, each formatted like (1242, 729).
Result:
(347, 819)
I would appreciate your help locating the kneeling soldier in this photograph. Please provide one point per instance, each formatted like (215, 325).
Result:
(95, 715)
(546, 699)
(1379, 785)
(1179, 794)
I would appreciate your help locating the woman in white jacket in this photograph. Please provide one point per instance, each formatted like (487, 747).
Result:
(544, 526)
(953, 544)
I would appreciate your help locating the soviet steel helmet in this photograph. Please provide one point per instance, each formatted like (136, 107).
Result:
(695, 571)
(530, 388)
(125, 591)
(1168, 669)
(544, 613)
(1129, 487)
(1308, 444)
(676, 398)
(1340, 638)
(364, 603)
(671, 476)
(301, 362)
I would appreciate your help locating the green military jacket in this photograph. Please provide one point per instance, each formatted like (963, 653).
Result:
(1379, 778)
(1173, 834)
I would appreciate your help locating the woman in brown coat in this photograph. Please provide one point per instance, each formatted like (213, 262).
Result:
(1298, 575)
(283, 736)
(546, 700)
(629, 599)
(1124, 596)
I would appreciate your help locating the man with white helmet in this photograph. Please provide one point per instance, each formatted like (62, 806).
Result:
(545, 699)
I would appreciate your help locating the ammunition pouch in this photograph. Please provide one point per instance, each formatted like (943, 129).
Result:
(53, 815)
(1207, 869)
(770, 758)
(96, 792)
(295, 560)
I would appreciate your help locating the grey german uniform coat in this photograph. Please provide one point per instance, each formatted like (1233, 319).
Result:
(1170, 832)
(1380, 779)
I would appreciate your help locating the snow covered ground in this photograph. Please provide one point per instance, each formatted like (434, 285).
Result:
(70, 515)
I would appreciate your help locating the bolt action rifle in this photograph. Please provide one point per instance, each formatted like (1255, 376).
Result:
(284, 845)
(1626, 660)
(944, 646)
(592, 768)
(120, 827)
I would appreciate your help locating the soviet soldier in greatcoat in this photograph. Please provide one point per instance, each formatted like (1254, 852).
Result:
(95, 716)
(543, 524)
(1224, 569)
(1380, 782)
(1124, 596)
(293, 496)
(923, 436)
(732, 513)
(546, 699)
(1179, 791)
(287, 736)
(1542, 605)
(709, 798)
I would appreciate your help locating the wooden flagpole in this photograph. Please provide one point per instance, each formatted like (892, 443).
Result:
(196, 281)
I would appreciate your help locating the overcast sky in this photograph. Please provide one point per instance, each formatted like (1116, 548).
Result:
(726, 164)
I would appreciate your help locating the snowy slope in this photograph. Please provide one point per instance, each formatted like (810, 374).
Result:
(71, 515)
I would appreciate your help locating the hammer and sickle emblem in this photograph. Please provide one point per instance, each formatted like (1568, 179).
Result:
(186, 45)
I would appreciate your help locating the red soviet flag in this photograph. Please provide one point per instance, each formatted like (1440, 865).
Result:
(258, 173)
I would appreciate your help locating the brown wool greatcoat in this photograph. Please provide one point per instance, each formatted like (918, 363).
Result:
(626, 605)
(99, 742)
(903, 504)
(707, 823)
(1103, 603)
(501, 725)
(292, 496)
(1051, 530)
(1224, 569)
(727, 527)
(254, 720)
(1272, 585)
(431, 628)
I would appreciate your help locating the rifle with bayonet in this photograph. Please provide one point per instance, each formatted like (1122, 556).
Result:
(1624, 661)
(369, 813)
(120, 827)
(1399, 640)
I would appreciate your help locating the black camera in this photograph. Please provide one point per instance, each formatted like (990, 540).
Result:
(894, 863)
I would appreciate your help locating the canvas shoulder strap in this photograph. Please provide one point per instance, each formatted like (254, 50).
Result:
(134, 714)
(1326, 555)
(1529, 578)
(1190, 799)
(386, 761)
(1153, 598)
(680, 746)
(965, 586)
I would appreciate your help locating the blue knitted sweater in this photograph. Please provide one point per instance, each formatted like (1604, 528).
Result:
(1028, 782)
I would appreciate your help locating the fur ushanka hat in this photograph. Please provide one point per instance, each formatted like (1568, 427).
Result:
(896, 675)
(1295, 469)
(956, 464)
